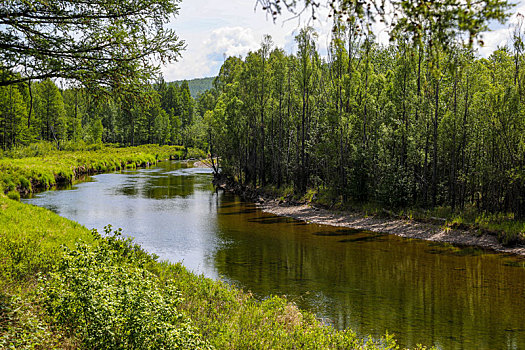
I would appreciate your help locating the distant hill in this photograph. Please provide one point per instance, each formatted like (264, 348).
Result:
(197, 86)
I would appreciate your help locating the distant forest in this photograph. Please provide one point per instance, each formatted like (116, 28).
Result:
(197, 86)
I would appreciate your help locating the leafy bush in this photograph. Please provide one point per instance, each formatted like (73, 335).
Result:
(106, 299)
(25, 184)
(14, 195)
(195, 153)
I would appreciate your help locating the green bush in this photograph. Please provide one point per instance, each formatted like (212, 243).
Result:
(195, 153)
(103, 297)
(14, 195)
(25, 184)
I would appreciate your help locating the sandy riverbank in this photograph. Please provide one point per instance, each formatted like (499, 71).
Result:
(399, 227)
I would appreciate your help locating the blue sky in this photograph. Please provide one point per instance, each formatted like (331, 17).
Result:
(214, 28)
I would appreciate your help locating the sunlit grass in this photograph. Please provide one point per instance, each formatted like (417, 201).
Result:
(25, 174)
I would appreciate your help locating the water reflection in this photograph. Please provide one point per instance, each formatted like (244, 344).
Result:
(423, 292)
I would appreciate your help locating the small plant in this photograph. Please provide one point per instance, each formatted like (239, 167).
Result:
(14, 195)
(25, 184)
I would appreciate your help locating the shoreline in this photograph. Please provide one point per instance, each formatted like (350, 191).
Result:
(405, 228)
(399, 227)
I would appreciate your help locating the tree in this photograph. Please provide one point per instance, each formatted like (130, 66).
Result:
(307, 61)
(186, 104)
(50, 112)
(12, 108)
(113, 43)
(447, 19)
(408, 124)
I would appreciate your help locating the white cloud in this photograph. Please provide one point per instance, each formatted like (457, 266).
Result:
(501, 34)
(212, 28)
(205, 52)
(231, 41)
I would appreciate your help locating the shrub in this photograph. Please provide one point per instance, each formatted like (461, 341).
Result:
(106, 299)
(14, 195)
(10, 185)
(195, 153)
(25, 184)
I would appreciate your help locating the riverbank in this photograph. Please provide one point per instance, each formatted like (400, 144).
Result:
(386, 223)
(403, 228)
(62, 286)
(24, 175)
(105, 292)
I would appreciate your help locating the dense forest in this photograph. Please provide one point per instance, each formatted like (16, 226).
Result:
(413, 123)
(40, 111)
(403, 125)
(419, 122)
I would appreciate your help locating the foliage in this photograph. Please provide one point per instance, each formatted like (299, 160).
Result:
(104, 44)
(408, 125)
(105, 298)
(13, 195)
(449, 20)
(33, 112)
(23, 325)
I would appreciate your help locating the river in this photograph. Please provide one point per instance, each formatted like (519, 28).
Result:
(424, 293)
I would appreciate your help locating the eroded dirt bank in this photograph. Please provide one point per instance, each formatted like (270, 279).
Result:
(400, 227)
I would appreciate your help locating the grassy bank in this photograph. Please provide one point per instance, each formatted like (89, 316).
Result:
(62, 286)
(44, 168)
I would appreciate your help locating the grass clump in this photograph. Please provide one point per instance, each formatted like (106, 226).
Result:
(14, 195)
(509, 230)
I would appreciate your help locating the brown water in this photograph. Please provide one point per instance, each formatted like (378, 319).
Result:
(434, 294)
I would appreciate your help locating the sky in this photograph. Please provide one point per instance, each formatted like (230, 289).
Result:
(215, 29)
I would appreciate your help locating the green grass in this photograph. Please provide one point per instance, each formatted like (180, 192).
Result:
(25, 174)
(56, 297)
(30, 245)
(505, 226)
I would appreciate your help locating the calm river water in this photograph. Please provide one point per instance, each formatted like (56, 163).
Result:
(424, 293)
